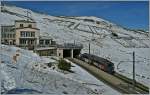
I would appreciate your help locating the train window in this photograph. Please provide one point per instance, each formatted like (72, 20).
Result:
(110, 65)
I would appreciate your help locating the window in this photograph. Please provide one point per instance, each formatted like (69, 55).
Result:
(5, 29)
(6, 41)
(13, 42)
(32, 41)
(22, 41)
(27, 34)
(30, 25)
(32, 34)
(41, 42)
(4, 35)
(13, 35)
(10, 35)
(7, 35)
(8, 30)
(110, 65)
(59, 54)
(22, 34)
(21, 25)
(53, 43)
(47, 42)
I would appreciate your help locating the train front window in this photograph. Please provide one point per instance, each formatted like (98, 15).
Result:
(110, 65)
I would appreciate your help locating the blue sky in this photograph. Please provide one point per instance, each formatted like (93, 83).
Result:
(129, 14)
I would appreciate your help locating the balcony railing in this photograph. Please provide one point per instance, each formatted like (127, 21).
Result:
(65, 45)
(70, 45)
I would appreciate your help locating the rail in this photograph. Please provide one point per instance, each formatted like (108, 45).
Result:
(116, 81)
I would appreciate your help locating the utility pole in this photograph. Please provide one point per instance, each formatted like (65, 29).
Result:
(134, 69)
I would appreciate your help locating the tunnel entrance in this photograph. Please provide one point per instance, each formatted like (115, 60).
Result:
(67, 53)
(76, 52)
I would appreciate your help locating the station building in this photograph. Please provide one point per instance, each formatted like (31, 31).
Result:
(25, 34)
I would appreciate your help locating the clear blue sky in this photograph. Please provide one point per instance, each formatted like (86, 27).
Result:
(129, 14)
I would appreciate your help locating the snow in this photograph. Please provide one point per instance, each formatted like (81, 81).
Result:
(48, 59)
(30, 72)
(104, 44)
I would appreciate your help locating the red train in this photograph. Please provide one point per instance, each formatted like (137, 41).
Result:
(99, 62)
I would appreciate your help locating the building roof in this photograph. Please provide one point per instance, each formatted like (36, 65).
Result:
(27, 27)
(27, 21)
(97, 58)
(45, 37)
(7, 25)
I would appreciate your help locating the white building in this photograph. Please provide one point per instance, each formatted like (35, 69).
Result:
(23, 33)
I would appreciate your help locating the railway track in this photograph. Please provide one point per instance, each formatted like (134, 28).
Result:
(116, 81)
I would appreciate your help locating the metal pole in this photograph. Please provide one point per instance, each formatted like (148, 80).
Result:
(89, 52)
(89, 47)
(134, 69)
(74, 42)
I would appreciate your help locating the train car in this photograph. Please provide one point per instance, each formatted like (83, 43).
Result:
(99, 62)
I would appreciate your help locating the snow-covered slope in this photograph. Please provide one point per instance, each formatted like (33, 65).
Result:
(28, 73)
(100, 33)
